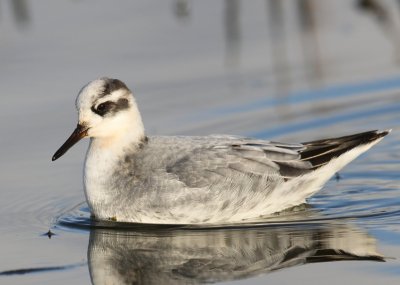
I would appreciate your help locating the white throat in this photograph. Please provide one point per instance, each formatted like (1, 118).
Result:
(104, 154)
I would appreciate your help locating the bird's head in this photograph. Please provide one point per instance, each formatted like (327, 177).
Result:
(108, 111)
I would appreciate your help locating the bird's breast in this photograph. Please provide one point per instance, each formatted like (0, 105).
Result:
(100, 165)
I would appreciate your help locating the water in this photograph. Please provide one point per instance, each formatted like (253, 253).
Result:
(282, 70)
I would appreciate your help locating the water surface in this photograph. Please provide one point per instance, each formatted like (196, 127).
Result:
(280, 70)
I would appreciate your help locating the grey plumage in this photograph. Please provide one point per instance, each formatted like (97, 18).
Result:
(194, 180)
(219, 172)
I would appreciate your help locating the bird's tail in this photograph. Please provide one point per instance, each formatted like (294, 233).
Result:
(320, 152)
(327, 157)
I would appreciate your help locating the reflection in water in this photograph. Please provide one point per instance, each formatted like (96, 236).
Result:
(182, 9)
(375, 8)
(197, 256)
(20, 12)
(232, 32)
(307, 10)
(280, 65)
(385, 18)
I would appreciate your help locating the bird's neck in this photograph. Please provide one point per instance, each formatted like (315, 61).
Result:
(102, 159)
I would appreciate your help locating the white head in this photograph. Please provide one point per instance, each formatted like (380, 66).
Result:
(107, 112)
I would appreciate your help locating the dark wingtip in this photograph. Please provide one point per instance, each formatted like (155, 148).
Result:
(381, 134)
(320, 152)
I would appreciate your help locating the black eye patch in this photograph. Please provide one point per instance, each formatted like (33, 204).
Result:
(103, 108)
(110, 107)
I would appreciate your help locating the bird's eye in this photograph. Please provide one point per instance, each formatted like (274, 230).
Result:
(103, 108)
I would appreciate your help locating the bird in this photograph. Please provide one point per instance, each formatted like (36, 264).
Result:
(194, 180)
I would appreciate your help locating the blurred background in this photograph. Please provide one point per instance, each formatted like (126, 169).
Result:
(289, 70)
(200, 66)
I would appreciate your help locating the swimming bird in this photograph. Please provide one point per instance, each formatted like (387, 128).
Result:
(219, 179)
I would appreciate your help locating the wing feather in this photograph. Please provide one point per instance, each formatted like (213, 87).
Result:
(206, 165)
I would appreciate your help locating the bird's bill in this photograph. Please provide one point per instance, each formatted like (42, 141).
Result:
(79, 133)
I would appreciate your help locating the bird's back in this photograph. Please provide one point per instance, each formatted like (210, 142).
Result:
(230, 179)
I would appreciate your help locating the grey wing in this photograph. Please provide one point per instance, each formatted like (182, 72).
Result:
(206, 165)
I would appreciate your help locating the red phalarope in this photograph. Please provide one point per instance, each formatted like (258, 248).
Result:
(130, 177)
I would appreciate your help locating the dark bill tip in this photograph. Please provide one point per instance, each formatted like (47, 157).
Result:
(79, 133)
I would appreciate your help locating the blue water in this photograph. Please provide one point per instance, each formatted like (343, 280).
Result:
(234, 74)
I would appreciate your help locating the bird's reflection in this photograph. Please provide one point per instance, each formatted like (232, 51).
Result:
(195, 256)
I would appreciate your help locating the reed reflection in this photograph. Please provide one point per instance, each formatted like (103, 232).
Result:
(386, 16)
(197, 256)
(20, 12)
